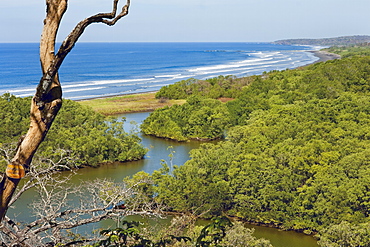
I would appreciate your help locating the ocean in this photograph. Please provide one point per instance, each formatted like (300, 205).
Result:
(94, 70)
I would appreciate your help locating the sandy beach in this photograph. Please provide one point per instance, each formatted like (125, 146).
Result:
(325, 56)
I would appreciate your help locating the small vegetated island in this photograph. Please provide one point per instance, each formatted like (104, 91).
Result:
(297, 150)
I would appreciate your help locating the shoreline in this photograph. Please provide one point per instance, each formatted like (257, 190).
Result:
(146, 101)
(324, 56)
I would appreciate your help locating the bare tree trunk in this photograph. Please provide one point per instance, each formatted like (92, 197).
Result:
(48, 98)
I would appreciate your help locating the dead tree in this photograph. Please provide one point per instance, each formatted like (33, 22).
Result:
(48, 97)
(54, 212)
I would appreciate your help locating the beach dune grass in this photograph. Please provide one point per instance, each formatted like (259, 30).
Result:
(128, 103)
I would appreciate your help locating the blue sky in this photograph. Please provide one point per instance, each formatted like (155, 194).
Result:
(195, 20)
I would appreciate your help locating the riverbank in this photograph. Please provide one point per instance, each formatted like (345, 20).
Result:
(158, 152)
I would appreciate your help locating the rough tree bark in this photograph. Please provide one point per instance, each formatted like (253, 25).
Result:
(48, 97)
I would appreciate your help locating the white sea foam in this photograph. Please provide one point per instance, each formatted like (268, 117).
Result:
(23, 95)
(165, 76)
(231, 65)
(182, 77)
(158, 85)
(256, 63)
(237, 67)
(105, 82)
(83, 89)
(22, 90)
(260, 59)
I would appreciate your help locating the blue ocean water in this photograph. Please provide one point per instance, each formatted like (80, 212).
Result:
(105, 69)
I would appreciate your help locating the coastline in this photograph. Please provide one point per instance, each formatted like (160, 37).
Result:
(324, 56)
(145, 102)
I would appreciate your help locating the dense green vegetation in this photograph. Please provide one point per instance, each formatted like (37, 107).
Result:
(318, 81)
(346, 234)
(198, 118)
(298, 165)
(350, 51)
(88, 137)
(220, 232)
(214, 88)
(297, 156)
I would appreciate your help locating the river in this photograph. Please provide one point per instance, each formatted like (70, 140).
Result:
(159, 149)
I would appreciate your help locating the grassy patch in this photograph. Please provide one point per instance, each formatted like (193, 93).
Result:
(128, 103)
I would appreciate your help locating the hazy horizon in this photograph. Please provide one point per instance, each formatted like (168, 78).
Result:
(195, 21)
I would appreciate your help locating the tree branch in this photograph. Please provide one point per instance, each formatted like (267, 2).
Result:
(68, 44)
(48, 97)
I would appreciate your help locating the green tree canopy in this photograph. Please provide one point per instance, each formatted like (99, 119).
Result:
(198, 118)
(88, 136)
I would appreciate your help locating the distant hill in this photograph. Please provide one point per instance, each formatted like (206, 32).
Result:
(345, 40)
